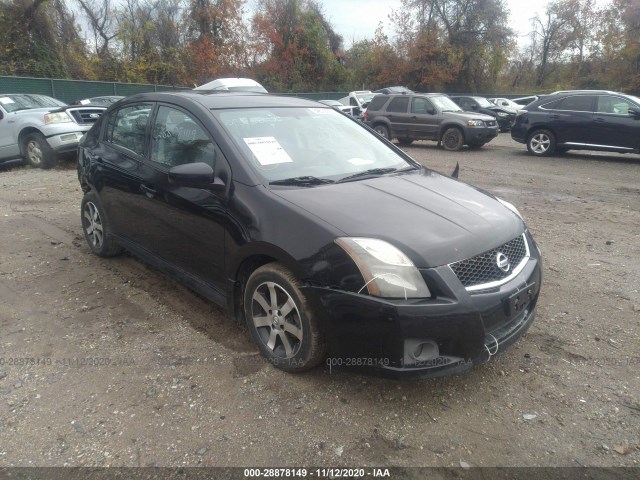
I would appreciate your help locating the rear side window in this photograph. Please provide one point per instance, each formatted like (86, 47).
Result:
(127, 126)
(378, 102)
(576, 103)
(399, 105)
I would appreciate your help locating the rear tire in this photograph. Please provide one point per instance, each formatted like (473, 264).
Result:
(452, 139)
(541, 143)
(96, 227)
(37, 151)
(383, 131)
(282, 322)
(405, 142)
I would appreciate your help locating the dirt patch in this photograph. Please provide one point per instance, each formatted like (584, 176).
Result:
(109, 362)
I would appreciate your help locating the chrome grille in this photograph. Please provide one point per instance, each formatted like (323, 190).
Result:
(86, 116)
(483, 269)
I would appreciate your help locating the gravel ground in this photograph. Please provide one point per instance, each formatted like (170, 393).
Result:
(125, 367)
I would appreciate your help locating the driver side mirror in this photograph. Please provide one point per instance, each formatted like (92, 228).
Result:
(1, 114)
(195, 175)
(474, 107)
(431, 111)
(633, 112)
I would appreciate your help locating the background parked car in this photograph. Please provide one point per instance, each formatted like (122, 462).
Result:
(526, 100)
(505, 102)
(105, 100)
(37, 127)
(339, 106)
(504, 115)
(429, 116)
(397, 89)
(232, 85)
(359, 99)
(581, 120)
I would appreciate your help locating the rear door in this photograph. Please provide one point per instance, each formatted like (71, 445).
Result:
(612, 125)
(570, 118)
(398, 114)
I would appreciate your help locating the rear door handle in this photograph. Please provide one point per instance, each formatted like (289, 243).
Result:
(599, 120)
(148, 191)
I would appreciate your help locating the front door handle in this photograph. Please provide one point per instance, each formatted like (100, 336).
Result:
(148, 191)
(599, 120)
(554, 117)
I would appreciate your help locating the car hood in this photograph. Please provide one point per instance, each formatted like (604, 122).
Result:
(464, 116)
(500, 108)
(42, 110)
(433, 219)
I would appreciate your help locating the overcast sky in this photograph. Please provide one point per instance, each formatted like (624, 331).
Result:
(357, 19)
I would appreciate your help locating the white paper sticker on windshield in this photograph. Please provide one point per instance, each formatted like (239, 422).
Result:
(267, 150)
(359, 161)
(85, 102)
(6, 100)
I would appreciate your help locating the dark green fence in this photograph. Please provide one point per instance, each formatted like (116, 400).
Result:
(71, 90)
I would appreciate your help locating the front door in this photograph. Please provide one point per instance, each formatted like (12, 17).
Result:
(612, 124)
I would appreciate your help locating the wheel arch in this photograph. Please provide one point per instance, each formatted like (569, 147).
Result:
(248, 260)
(23, 134)
(446, 126)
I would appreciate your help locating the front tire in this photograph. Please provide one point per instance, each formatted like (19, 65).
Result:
(541, 143)
(452, 139)
(96, 228)
(282, 322)
(37, 151)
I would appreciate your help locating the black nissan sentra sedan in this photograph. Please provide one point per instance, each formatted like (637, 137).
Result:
(328, 241)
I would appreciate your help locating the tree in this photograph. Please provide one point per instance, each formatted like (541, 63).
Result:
(297, 47)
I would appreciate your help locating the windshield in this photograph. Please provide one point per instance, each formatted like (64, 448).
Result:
(445, 104)
(285, 143)
(483, 102)
(15, 102)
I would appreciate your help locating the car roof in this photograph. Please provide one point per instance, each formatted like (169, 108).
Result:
(226, 100)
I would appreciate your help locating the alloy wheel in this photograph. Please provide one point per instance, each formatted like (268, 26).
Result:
(277, 320)
(34, 152)
(93, 225)
(540, 143)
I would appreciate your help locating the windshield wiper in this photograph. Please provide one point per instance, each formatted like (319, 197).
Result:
(367, 173)
(302, 181)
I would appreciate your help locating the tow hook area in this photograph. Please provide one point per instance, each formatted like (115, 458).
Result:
(491, 345)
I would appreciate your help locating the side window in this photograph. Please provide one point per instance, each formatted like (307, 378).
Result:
(420, 105)
(465, 103)
(613, 104)
(377, 103)
(399, 105)
(576, 103)
(126, 127)
(353, 102)
(178, 138)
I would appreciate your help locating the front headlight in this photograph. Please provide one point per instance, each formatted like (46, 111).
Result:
(475, 123)
(502, 114)
(57, 117)
(511, 207)
(387, 271)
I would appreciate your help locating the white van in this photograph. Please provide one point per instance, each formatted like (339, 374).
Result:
(232, 85)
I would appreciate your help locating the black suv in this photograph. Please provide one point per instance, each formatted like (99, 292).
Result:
(505, 116)
(428, 116)
(580, 120)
